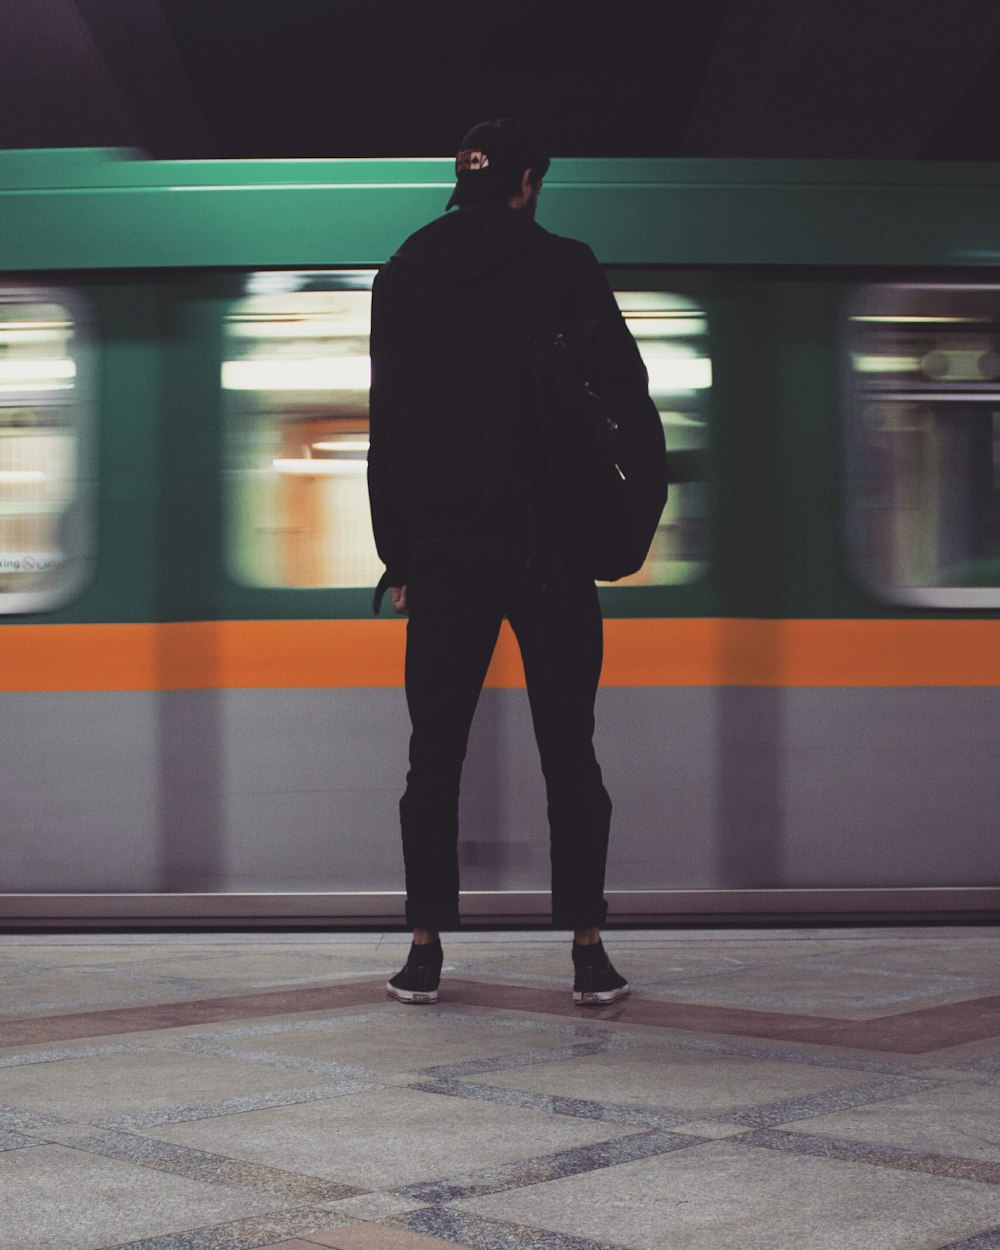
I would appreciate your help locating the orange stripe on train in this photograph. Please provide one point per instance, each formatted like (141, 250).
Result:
(352, 653)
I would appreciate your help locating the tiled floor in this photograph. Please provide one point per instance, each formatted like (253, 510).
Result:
(762, 1090)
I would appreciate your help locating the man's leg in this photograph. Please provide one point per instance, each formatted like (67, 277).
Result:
(450, 636)
(560, 634)
(446, 663)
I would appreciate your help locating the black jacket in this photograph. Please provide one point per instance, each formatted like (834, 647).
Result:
(454, 312)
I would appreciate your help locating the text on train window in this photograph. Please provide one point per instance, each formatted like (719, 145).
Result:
(296, 377)
(44, 481)
(924, 468)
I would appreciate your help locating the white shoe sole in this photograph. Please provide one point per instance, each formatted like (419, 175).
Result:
(597, 997)
(411, 996)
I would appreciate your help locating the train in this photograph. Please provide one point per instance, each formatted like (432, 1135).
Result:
(203, 722)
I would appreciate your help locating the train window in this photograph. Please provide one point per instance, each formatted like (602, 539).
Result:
(296, 378)
(672, 334)
(924, 467)
(44, 480)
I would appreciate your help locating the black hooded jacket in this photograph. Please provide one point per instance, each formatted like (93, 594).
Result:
(454, 312)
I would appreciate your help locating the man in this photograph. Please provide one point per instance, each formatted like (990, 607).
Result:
(460, 520)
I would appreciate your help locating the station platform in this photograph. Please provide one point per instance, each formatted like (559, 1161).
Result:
(792, 1089)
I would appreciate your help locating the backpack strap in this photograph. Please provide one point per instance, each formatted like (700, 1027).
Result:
(380, 589)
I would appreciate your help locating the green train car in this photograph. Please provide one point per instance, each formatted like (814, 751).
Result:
(203, 723)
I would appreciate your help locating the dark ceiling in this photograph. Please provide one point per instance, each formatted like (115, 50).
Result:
(320, 78)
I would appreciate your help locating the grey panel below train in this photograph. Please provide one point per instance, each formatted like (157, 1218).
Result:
(298, 790)
(79, 785)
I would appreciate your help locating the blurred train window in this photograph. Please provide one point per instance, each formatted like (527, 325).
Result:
(44, 449)
(672, 334)
(296, 376)
(924, 466)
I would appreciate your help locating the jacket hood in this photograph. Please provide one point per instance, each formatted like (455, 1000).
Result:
(471, 242)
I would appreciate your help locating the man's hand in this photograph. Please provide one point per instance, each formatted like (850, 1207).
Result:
(398, 594)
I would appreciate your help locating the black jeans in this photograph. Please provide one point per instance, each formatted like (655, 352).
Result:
(458, 593)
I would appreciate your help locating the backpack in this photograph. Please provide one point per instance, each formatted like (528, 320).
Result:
(599, 475)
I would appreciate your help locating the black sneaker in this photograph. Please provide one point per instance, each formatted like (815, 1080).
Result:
(596, 980)
(417, 982)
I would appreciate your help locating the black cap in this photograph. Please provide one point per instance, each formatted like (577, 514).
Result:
(491, 162)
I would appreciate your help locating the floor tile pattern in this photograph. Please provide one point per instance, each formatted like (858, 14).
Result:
(981, 1241)
(485, 1234)
(536, 1171)
(231, 1106)
(218, 1170)
(760, 1090)
(885, 1156)
(832, 1100)
(554, 1104)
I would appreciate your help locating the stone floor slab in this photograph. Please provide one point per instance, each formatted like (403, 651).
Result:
(371, 1207)
(377, 1237)
(243, 1234)
(56, 1198)
(720, 1196)
(102, 1088)
(962, 1118)
(387, 1138)
(695, 1084)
